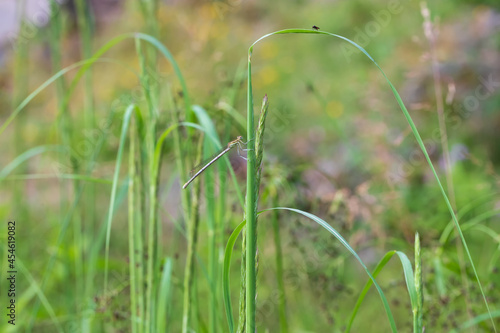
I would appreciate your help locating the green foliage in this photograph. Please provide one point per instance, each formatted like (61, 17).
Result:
(93, 154)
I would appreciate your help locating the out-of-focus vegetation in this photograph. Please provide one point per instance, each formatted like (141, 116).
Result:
(336, 145)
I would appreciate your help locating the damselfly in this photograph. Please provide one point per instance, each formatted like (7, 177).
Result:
(238, 142)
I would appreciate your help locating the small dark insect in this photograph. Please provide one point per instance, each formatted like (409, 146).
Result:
(315, 27)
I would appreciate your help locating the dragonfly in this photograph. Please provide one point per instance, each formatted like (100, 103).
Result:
(235, 143)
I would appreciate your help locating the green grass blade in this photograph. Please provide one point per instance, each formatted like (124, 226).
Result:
(350, 249)
(488, 231)
(160, 141)
(83, 64)
(409, 278)
(44, 85)
(123, 137)
(166, 53)
(475, 221)
(476, 320)
(225, 276)
(192, 229)
(463, 211)
(239, 120)
(368, 284)
(250, 212)
(207, 123)
(164, 296)
(236, 232)
(418, 306)
(61, 176)
(408, 273)
(27, 155)
(135, 313)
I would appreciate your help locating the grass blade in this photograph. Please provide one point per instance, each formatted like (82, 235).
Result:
(27, 155)
(350, 249)
(225, 276)
(476, 320)
(367, 286)
(234, 235)
(123, 137)
(408, 273)
(164, 296)
(418, 307)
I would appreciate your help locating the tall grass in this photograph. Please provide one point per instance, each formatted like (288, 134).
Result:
(156, 282)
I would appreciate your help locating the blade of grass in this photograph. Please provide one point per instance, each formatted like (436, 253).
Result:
(61, 176)
(123, 137)
(41, 87)
(473, 221)
(408, 273)
(226, 277)
(164, 296)
(250, 211)
(136, 232)
(232, 239)
(351, 250)
(27, 155)
(212, 224)
(474, 204)
(192, 239)
(477, 320)
(367, 286)
(418, 305)
(135, 313)
(488, 231)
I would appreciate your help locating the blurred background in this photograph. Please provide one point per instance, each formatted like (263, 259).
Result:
(336, 145)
